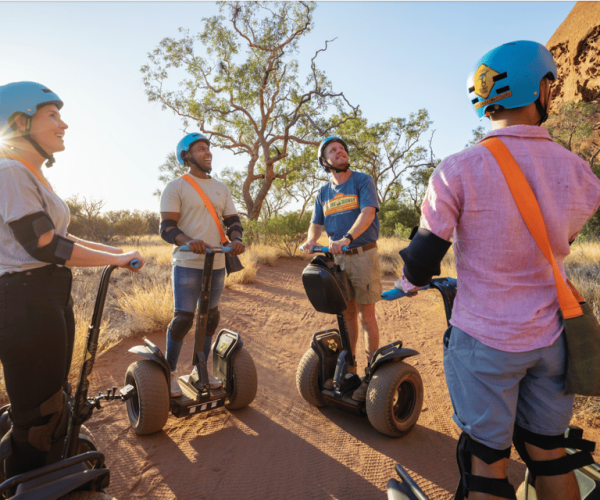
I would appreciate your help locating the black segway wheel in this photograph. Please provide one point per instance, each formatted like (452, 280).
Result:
(245, 381)
(87, 443)
(395, 398)
(307, 379)
(148, 409)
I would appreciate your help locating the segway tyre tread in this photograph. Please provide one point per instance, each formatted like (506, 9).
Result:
(245, 381)
(148, 410)
(395, 398)
(307, 379)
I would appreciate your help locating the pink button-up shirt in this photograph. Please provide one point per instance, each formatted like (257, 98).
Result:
(507, 296)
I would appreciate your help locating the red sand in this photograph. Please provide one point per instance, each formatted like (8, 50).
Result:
(280, 447)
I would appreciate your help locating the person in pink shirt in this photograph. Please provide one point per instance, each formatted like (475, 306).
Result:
(504, 354)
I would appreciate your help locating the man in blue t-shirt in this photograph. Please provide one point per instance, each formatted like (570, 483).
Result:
(347, 208)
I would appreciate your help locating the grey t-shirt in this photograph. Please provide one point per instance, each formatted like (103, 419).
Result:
(22, 194)
(195, 219)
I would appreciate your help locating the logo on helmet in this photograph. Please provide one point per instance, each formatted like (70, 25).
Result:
(483, 81)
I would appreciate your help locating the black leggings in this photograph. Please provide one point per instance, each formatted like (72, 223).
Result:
(37, 330)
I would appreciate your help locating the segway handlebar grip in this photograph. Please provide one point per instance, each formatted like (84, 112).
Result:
(345, 248)
(135, 264)
(396, 293)
(185, 248)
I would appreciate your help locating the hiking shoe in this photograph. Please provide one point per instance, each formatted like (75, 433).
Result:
(360, 394)
(175, 388)
(328, 384)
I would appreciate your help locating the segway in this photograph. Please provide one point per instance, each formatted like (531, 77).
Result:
(148, 410)
(588, 477)
(395, 390)
(80, 466)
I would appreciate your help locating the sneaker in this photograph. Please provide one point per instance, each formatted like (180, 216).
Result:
(360, 394)
(213, 382)
(175, 388)
(328, 384)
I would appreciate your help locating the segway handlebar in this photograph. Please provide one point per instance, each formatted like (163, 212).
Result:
(185, 248)
(135, 264)
(396, 293)
(325, 249)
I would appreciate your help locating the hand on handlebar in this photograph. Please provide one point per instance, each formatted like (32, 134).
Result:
(307, 248)
(335, 247)
(198, 246)
(132, 261)
(407, 287)
(237, 247)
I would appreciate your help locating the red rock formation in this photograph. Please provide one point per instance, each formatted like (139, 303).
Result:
(576, 49)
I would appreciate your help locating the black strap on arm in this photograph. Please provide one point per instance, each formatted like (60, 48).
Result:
(233, 223)
(169, 234)
(27, 231)
(422, 258)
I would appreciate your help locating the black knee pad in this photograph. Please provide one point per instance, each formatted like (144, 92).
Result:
(467, 447)
(213, 321)
(180, 324)
(571, 439)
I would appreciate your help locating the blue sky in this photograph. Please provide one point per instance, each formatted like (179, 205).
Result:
(391, 58)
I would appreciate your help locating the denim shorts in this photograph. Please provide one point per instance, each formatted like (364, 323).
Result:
(187, 285)
(491, 390)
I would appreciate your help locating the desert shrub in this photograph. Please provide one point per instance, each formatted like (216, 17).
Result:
(266, 254)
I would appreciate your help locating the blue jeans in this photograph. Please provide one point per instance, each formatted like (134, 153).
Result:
(187, 285)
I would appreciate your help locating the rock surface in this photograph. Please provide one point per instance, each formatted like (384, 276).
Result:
(576, 49)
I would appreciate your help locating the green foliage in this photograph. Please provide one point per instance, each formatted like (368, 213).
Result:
(285, 231)
(396, 218)
(389, 151)
(572, 126)
(89, 223)
(478, 134)
(242, 87)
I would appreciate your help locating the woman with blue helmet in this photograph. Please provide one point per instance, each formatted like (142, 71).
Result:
(505, 353)
(36, 254)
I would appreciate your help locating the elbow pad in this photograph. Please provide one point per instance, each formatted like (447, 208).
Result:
(28, 230)
(165, 234)
(229, 223)
(422, 258)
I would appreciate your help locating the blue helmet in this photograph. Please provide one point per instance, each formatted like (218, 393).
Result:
(509, 76)
(186, 143)
(322, 146)
(23, 97)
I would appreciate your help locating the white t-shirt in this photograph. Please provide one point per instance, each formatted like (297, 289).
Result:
(195, 219)
(22, 194)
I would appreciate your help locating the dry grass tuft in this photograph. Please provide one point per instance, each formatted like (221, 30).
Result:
(265, 254)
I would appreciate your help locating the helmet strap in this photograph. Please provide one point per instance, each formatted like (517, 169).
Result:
(542, 112)
(195, 163)
(36, 146)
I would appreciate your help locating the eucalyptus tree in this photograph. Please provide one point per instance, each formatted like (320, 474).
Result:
(389, 151)
(242, 87)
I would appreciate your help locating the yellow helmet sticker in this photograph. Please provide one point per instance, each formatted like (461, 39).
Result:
(483, 80)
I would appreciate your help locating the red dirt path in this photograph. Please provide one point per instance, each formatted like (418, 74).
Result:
(280, 447)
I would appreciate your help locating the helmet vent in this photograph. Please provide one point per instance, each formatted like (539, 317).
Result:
(499, 77)
(475, 101)
(471, 89)
(502, 89)
(47, 91)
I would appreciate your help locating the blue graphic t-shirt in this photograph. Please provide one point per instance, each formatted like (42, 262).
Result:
(338, 206)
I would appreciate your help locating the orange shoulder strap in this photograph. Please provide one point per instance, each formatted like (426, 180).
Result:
(532, 215)
(31, 168)
(207, 202)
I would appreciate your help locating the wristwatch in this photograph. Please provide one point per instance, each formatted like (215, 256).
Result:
(349, 236)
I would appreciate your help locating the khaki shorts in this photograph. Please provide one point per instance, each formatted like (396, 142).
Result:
(364, 272)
